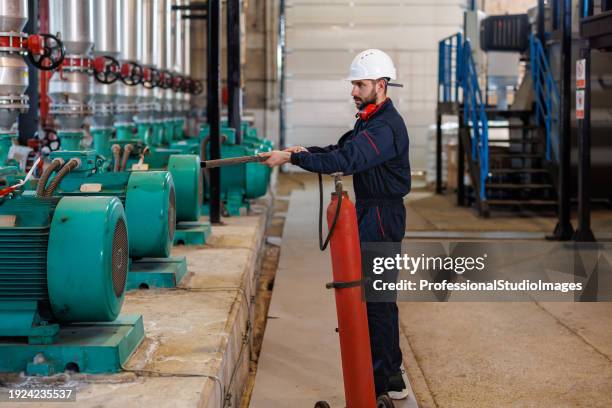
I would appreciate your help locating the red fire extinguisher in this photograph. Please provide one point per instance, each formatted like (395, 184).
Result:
(350, 307)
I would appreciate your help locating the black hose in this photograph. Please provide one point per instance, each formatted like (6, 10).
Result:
(338, 185)
(205, 144)
(42, 182)
(71, 165)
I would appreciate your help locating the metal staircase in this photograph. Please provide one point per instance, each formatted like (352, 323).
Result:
(512, 171)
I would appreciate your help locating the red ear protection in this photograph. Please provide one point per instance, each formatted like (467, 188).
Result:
(366, 112)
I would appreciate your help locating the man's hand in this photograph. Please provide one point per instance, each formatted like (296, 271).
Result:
(276, 158)
(295, 149)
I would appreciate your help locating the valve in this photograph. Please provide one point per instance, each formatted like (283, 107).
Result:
(152, 78)
(131, 73)
(45, 51)
(50, 142)
(196, 87)
(106, 69)
(166, 80)
(178, 83)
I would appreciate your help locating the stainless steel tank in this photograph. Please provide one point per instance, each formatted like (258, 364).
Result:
(13, 15)
(71, 89)
(131, 49)
(13, 69)
(164, 14)
(74, 21)
(107, 42)
(186, 61)
(149, 49)
(177, 64)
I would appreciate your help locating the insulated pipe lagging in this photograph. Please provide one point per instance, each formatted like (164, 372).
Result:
(42, 182)
(116, 149)
(126, 154)
(72, 164)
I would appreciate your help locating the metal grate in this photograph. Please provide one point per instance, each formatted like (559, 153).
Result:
(120, 258)
(23, 263)
(171, 215)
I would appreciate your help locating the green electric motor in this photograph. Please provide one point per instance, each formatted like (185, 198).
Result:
(242, 182)
(184, 168)
(148, 198)
(62, 259)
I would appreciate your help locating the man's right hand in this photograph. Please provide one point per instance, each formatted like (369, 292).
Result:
(295, 149)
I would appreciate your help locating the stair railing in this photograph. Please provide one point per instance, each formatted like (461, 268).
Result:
(546, 92)
(475, 116)
(449, 68)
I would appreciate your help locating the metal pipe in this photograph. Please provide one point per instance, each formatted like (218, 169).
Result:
(13, 69)
(29, 121)
(107, 28)
(70, 89)
(131, 49)
(150, 33)
(439, 153)
(74, 21)
(213, 107)
(210, 164)
(107, 42)
(234, 86)
(178, 39)
(282, 107)
(540, 22)
(177, 63)
(584, 232)
(186, 61)
(564, 230)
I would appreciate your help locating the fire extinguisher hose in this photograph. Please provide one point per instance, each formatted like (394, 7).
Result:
(338, 186)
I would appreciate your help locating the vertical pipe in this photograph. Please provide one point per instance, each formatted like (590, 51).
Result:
(28, 121)
(45, 101)
(564, 230)
(234, 10)
(280, 60)
(461, 161)
(213, 108)
(584, 232)
(540, 23)
(555, 14)
(439, 153)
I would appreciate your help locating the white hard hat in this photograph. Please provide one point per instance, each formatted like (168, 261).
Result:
(372, 64)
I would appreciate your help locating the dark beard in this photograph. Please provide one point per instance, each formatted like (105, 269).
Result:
(371, 99)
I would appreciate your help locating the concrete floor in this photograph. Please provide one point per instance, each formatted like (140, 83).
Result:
(526, 354)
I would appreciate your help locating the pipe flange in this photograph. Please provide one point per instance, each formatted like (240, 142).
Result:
(77, 63)
(146, 107)
(72, 109)
(14, 42)
(18, 103)
(127, 107)
(103, 109)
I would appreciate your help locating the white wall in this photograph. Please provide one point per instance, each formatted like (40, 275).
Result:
(324, 36)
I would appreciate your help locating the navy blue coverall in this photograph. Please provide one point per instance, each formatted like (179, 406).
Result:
(375, 152)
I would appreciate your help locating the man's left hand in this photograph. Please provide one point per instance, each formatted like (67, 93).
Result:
(276, 158)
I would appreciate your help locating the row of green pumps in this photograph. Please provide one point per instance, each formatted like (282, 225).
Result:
(68, 238)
